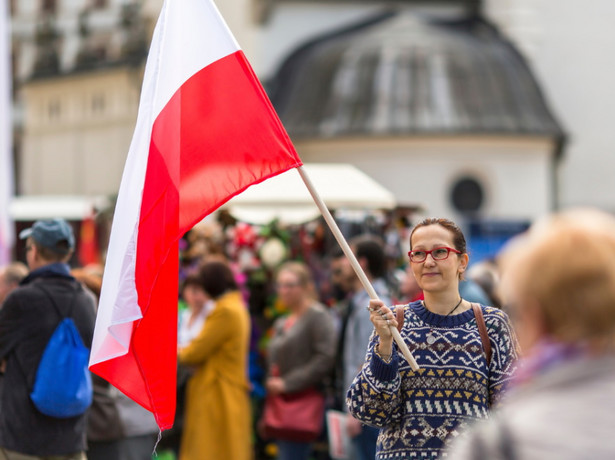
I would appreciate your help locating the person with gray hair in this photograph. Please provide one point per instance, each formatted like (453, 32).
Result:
(558, 283)
(10, 276)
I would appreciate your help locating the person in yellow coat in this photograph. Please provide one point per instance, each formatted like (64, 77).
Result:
(218, 416)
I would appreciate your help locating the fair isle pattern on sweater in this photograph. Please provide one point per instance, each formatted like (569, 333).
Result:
(419, 413)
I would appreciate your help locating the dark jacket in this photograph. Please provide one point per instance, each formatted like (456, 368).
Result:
(27, 321)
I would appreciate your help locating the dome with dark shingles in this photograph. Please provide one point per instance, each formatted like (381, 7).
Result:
(403, 74)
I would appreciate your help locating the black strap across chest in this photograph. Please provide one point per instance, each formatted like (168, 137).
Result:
(54, 303)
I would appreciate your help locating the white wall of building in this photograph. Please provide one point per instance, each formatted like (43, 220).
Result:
(515, 173)
(571, 44)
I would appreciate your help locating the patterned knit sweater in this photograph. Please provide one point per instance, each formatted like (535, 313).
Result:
(419, 413)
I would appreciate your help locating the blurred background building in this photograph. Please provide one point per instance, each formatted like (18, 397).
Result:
(490, 112)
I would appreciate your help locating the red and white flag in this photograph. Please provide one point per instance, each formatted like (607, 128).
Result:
(206, 131)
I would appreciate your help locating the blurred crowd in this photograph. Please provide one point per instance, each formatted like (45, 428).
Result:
(268, 311)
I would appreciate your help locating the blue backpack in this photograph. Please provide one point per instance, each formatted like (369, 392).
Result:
(63, 385)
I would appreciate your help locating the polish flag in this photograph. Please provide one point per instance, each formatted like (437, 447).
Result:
(205, 132)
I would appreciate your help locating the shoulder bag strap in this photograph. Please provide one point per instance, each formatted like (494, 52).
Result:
(399, 316)
(482, 329)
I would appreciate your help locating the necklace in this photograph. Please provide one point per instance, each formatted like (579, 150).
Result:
(431, 338)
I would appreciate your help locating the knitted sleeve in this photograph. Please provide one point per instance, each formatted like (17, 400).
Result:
(374, 396)
(505, 352)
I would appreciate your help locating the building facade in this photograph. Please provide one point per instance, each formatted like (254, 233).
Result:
(569, 45)
(78, 71)
(79, 63)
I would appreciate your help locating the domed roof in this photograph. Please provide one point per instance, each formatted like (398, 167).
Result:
(403, 74)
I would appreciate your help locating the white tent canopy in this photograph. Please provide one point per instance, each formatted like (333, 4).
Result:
(286, 197)
(70, 207)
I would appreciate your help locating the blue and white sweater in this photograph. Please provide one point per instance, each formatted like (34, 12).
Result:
(421, 412)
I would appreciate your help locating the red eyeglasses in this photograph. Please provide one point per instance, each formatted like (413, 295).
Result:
(440, 253)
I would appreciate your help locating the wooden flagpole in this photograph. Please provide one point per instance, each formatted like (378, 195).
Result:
(353, 261)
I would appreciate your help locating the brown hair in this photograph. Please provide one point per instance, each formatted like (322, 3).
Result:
(49, 255)
(565, 267)
(217, 278)
(459, 241)
(192, 279)
(371, 248)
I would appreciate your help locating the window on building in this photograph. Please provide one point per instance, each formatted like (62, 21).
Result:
(467, 195)
(54, 110)
(98, 103)
(49, 6)
(99, 4)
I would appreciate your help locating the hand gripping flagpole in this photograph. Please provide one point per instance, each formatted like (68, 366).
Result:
(355, 264)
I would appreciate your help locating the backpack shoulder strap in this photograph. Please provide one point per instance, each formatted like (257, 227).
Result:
(482, 329)
(53, 302)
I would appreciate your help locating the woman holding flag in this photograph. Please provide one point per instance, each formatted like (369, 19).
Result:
(420, 412)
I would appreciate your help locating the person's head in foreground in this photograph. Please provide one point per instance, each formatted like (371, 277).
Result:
(558, 283)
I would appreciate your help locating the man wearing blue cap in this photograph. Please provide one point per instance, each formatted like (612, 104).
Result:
(28, 318)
